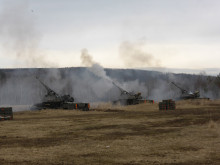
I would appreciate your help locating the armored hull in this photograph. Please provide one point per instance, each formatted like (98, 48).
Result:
(52, 100)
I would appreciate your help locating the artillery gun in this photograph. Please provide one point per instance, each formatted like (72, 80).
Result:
(53, 100)
(128, 98)
(187, 94)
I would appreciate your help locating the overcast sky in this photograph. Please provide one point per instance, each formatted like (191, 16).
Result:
(116, 33)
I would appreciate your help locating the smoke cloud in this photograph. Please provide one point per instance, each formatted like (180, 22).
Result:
(85, 86)
(133, 55)
(105, 85)
(86, 58)
(94, 67)
(19, 36)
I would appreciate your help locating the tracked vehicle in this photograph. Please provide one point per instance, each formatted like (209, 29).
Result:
(187, 94)
(52, 100)
(129, 98)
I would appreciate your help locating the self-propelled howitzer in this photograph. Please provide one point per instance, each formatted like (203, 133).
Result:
(187, 95)
(128, 98)
(53, 100)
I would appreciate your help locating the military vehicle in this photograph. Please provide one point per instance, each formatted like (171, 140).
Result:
(129, 98)
(187, 94)
(52, 100)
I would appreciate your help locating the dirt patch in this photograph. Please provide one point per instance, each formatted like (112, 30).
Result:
(90, 155)
(185, 148)
(139, 134)
(27, 142)
(113, 110)
(135, 132)
(3, 161)
(103, 127)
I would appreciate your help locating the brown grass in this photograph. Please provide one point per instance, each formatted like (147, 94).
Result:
(132, 135)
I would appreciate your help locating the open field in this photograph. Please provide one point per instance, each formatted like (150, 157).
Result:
(129, 135)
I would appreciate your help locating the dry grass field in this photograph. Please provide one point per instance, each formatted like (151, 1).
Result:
(132, 135)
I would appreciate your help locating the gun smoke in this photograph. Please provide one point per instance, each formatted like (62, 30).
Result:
(19, 36)
(85, 86)
(94, 67)
(92, 83)
(133, 55)
(99, 71)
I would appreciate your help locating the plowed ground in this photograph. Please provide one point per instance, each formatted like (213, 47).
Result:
(132, 135)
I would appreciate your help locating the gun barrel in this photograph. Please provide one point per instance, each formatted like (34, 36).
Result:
(122, 90)
(182, 90)
(46, 87)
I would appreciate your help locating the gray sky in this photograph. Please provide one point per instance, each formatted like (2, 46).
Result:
(116, 33)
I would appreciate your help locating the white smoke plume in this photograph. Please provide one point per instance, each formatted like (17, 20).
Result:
(107, 85)
(94, 67)
(19, 36)
(86, 58)
(133, 55)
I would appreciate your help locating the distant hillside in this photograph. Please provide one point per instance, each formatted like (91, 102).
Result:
(19, 86)
(208, 71)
